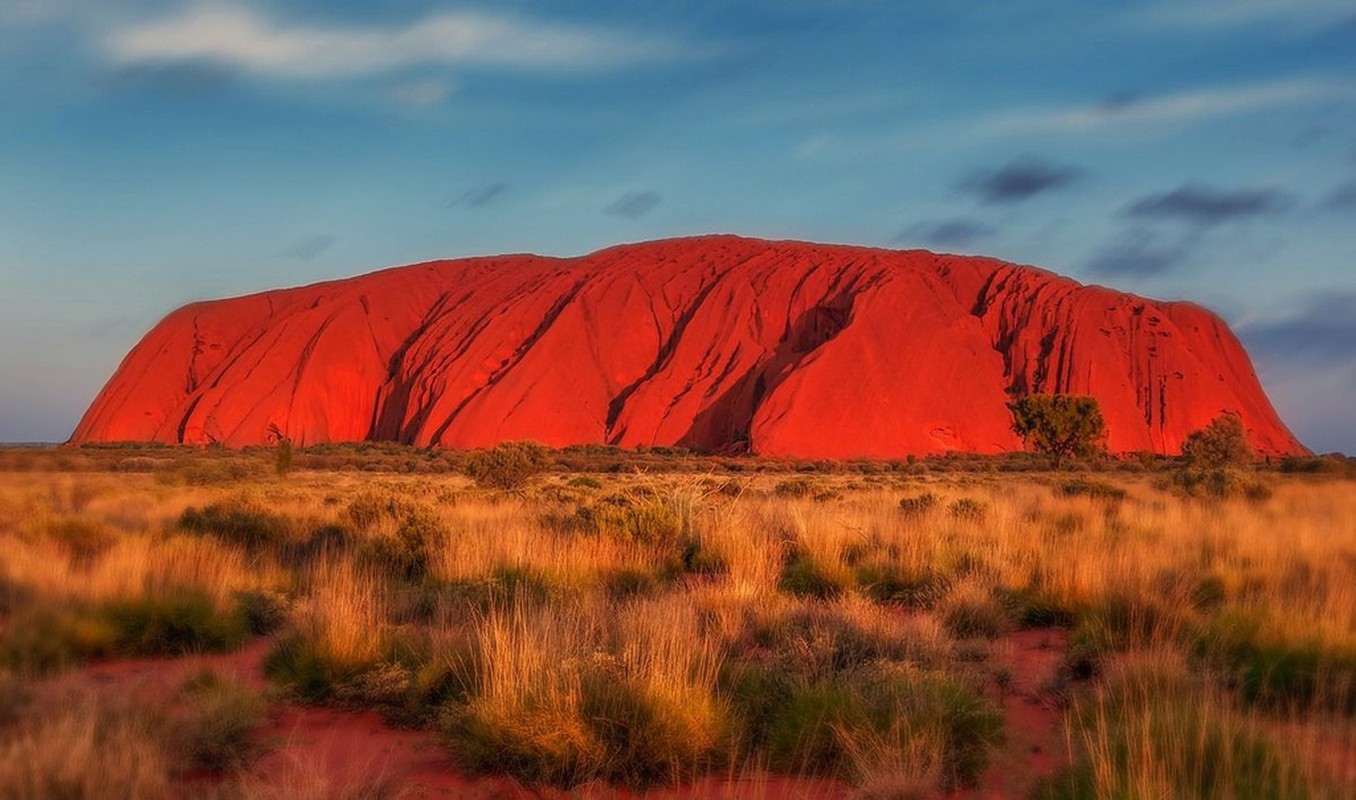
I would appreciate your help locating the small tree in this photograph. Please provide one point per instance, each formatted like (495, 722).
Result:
(508, 465)
(282, 450)
(1217, 461)
(1060, 425)
(1221, 444)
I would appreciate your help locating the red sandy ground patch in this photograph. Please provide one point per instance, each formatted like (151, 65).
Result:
(1035, 746)
(322, 752)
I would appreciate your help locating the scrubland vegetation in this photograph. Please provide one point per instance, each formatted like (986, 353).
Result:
(641, 620)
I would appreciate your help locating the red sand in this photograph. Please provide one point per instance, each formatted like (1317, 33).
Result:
(716, 343)
(1034, 747)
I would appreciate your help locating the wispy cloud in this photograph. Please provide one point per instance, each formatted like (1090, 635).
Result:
(248, 40)
(1289, 15)
(1122, 114)
(1193, 105)
(430, 92)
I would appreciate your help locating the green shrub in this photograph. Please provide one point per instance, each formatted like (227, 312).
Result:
(973, 616)
(803, 732)
(804, 577)
(619, 732)
(83, 539)
(282, 456)
(297, 664)
(756, 689)
(628, 582)
(173, 623)
(371, 508)
(1118, 623)
(1031, 607)
(650, 520)
(968, 510)
(263, 611)
(1220, 483)
(217, 731)
(695, 559)
(450, 678)
(833, 729)
(645, 742)
(44, 640)
(509, 465)
(916, 505)
(1271, 672)
(240, 523)
(1222, 444)
(1095, 489)
(1334, 464)
(823, 641)
(406, 553)
(14, 699)
(794, 487)
(1167, 732)
(1062, 426)
(892, 585)
(1208, 593)
(505, 585)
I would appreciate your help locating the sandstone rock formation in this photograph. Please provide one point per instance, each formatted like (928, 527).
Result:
(715, 343)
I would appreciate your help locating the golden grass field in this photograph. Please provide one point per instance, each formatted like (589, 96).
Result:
(887, 633)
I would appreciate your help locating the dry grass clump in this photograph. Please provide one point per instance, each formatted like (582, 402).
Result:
(1155, 729)
(215, 729)
(837, 689)
(338, 630)
(84, 745)
(74, 741)
(141, 595)
(564, 696)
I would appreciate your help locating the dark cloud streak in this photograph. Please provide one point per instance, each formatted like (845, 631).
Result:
(1141, 253)
(479, 196)
(1343, 198)
(177, 78)
(955, 232)
(1019, 181)
(308, 248)
(1204, 206)
(633, 205)
(1323, 331)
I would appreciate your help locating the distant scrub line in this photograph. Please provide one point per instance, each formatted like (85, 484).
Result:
(205, 465)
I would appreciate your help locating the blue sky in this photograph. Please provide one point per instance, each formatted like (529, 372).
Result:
(153, 153)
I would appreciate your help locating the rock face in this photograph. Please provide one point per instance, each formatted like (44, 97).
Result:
(715, 343)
